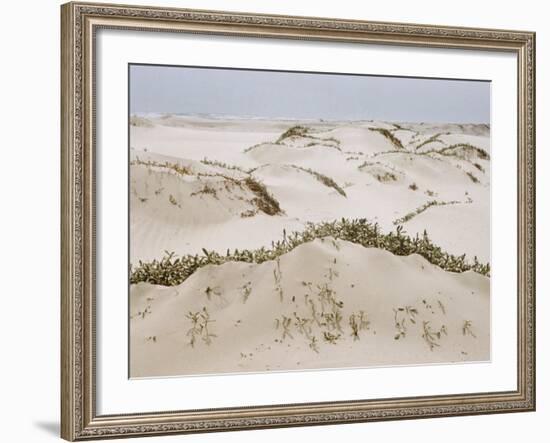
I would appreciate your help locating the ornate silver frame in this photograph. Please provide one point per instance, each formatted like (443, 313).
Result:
(80, 21)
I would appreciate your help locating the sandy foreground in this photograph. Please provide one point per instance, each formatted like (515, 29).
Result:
(327, 303)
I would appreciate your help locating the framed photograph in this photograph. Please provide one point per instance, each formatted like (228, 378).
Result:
(282, 221)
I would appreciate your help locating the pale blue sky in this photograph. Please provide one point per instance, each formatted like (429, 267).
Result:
(293, 95)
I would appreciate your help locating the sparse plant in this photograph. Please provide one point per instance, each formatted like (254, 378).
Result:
(302, 132)
(206, 190)
(400, 315)
(392, 138)
(465, 151)
(294, 131)
(441, 306)
(313, 344)
(332, 320)
(248, 213)
(212, 291)
(145, 312)
(327, 297)
(175, 167)
(382, 172)
(327, 181)
(358, 322)
(413, 187)
(263, 199)
(284, 324)
(399, 325)
(432, 337)
(467, 328)
(219, 164)
(247, 290)
(331, 338)
(199, 327)
(173, 200)
(433, 139)
(277, 275)
(421, 209)
(479, 167)
(303, 325)
(472, 177)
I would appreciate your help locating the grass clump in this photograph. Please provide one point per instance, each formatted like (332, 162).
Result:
(472, 177)
(294, 131)
(325, 180)
(172, 270)
(263, 199)
(465, 151)
(479, 167)
(392, 138)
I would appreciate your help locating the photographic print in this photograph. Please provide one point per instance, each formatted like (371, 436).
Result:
(300, 220)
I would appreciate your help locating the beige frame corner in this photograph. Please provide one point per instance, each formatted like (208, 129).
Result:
(79, 420)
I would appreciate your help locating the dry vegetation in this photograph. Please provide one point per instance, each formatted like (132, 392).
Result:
(325, 180)
(392, 138)
(172, 270)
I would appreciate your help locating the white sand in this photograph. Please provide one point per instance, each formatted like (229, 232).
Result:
(383, 183)
(247, 339)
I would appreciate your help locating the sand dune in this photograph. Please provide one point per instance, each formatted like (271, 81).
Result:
(219, 184)
(405, 311)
